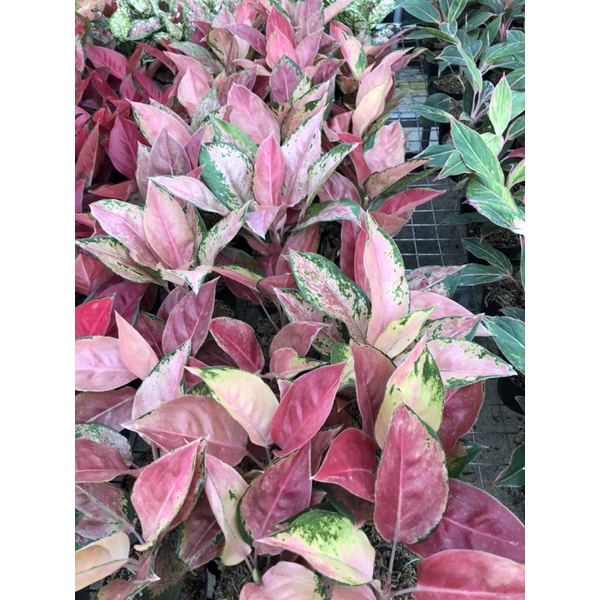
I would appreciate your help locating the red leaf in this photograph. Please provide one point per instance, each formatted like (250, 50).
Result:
(93, 317)
(474, 520)
(190, 318)
(238, 340)
(90, 157)
(110, 408)
(95, 462)
(304, 408)
(412, 482)
(283, 490)
(122, 146)
(350, 463)
(114, 61)
(471, 575)
(299, 336)
(151, 328)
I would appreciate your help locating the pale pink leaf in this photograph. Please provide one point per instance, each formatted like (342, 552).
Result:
(278, 46)
(152, 119)
(285, 581)
(220, 235)
(164, 382)
(192, 88)
(100, 559)
(136, 353)
(287, 363)
(268, 172)
(95, 462)
(401, 333)
(299, 336)
(188, 418)
(387, 149)
(99, 366)
(361, 592)
(411, 489)
(469, 574)
(224, 488)
(251, 115)
(191, 190)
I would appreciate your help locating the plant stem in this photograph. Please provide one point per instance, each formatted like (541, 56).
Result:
(403, 592)
(388, 580)
(259, 464)
(268, 453)
(269, 316)
(155, 455)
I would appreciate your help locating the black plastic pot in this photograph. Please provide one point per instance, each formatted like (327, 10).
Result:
(436, 85)
(508, 389)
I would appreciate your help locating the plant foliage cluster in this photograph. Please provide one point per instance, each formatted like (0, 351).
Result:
(252, 162)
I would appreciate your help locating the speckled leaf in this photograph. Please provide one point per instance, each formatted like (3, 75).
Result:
(401, 333)
(107, 436)
(190, 319)
(93, 317)
(331, 544)
(99, 366)
(461, 409)
(110, 408)
(416, 383)
(238, 339)
(228, 173)
(167, 229)
(135, 351)
(287, 363)
(475, 152)
(461, 362)
(187, 418)
(200, 537)
(191, 190)
(284, 79)
(350, 463)
(125, 222)
(268, 172)
(224, 490)
(494, 201)
(326, 287)
(152, 120)
(514, 474)
(411, 489)
(116, 257)
(170, 572)
(372, 369)
(164, 488)
(95, 462)
(474, 520)
(388, 288)
(247, 398)
(220, 235)
(278, 46)
(441, 280)
(340, 210)
(305, 407)
(285, 581)
(281, 491)
(469, 574)
(320, 171)
(251, 114)
(164, 382)
(459, 328)
(384, 182)
(100, 559)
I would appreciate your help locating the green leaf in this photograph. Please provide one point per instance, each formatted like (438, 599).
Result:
(501, 106)
(438, 155)
(493, 142)
(464, 452)
(432, 114)
(227, 133)
(471, 71)
(518, 104)
(509, 335)
(454, 166)
(516, 128)
(474, 274)
(423, 10)
(485, 251)
(516, 79)
(514, 474)
(495, 202)
(514, 312)
(517, 174)
(456, 9)
(475, 152)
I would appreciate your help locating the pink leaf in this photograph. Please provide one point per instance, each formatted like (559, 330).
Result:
(113, 61)
(350, 463)
(191, 190)
(305, 407)
(287, 363)
(384, 268)
(469, 574)
(163, 383)
(152, 119)
(378, 183)
(201, 540)
(122, 146)
(281, 491)
(372, 369)
(299, 336)
(220, 235)
(474, 520)
(278, 46)
(246, 397)
(403, 203)
(251, 115)
(362, 592)
(135, 350)
(285, 581)
(249, 34)
(190, 318)
(98, 365)
(224, 488)
(192, 88)
(401, 333)
(93, 317)
(111, 408)
(89, 274)
(151, 328)
(168, 156)
(89, 158)
(160, 492)
(188, 418)
(461, 409)
(268, 172)
(412, 482)
(95, 462)
(166, 228)
(239, 341)
(387, 149)
(284, 79)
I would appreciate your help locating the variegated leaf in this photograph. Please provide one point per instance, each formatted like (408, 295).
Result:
(401, 333)
(191, 190)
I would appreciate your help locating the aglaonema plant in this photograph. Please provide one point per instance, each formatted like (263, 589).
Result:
(290, 460)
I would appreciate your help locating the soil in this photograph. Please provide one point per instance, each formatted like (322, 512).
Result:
(450, 84)
(503, 294)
